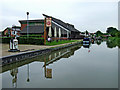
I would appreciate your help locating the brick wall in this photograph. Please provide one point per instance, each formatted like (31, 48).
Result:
(23, 26)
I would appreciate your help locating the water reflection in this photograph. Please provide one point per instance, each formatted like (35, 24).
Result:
(86, 45)
(98, 42)
(110, 43)
(47, 71)
(28, 80)
(46, 60)
(14, 73)
(113, 43)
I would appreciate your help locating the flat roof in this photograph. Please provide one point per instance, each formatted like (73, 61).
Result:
(33, 21)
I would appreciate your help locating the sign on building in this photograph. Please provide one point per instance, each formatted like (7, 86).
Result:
(49, 73)
(48, 22)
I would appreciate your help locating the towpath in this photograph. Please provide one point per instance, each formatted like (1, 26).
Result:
(24, 48)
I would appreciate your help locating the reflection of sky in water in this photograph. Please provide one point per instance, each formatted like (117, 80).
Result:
(94, 67)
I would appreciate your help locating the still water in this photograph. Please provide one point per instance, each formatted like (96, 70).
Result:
(74, 67)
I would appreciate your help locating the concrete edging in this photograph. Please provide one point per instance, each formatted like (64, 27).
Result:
(21, 56)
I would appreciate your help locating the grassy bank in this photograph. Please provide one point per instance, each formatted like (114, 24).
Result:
(60, 42)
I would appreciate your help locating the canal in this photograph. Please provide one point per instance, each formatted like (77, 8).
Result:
(94, 66)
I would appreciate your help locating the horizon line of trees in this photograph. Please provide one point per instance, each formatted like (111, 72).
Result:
(110, 31)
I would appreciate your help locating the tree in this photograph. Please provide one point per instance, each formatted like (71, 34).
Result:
(117, 34)
(112, 31)
(99, 33)
(86, 32)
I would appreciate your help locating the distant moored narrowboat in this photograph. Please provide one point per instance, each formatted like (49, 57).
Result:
(86, 41)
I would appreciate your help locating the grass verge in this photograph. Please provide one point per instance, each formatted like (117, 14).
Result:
(60, 42)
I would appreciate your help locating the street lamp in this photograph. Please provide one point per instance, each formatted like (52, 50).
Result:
(27, 23)
(27, 37)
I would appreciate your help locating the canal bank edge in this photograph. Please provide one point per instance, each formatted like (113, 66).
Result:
(22, 56)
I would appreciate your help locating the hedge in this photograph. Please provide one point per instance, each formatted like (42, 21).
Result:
(5, 40)
(32, 35)
(23, 40)
(34, 41)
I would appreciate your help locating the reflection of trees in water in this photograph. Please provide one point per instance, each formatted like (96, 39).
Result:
(98, 42)
(113, 43)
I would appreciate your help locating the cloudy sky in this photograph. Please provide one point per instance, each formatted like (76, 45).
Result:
(91, 15)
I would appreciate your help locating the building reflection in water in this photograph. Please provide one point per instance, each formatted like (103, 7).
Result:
(55, 54)
(47, 71)
(53, 57)
(47, 59)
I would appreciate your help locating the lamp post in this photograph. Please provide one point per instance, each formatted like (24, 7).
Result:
(27, 23)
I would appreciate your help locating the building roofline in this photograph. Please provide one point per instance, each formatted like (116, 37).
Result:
(35, 20)
(8, 28)
(16, 27)
(65, 24)
(47, 15)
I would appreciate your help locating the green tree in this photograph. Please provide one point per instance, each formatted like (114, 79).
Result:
(117, 34)
(112, 31)
(99, 33)
(86, 32)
